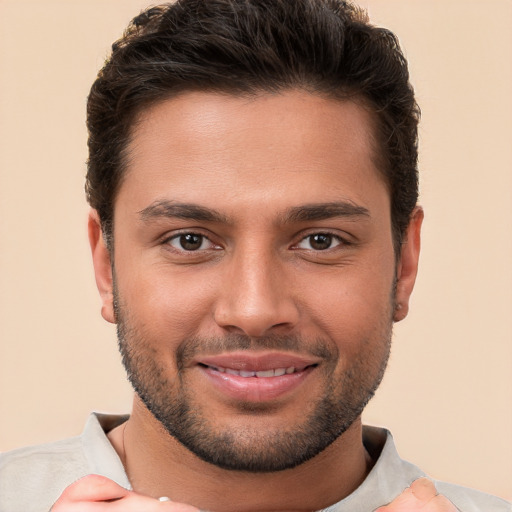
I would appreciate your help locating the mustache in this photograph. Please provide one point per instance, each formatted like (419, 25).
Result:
(191, 347)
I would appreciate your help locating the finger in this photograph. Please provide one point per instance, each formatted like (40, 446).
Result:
(132, 502)
(100, 494)
(135, 502)
(419, 493)
(439, 503)
(425, 492)
(93, 488)
(423, 489)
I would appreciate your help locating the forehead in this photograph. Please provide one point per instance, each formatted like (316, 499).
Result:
(273, 147)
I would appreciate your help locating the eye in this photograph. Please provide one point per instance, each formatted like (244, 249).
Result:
(319, 242)
(190, 242)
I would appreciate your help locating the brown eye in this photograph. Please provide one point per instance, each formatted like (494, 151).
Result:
(189, 242)
(319, 242)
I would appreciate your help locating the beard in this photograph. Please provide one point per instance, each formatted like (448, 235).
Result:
(248, 447)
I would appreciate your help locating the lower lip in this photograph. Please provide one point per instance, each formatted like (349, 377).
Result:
(255, 389)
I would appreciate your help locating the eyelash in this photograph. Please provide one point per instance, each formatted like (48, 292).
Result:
(338, 240)
(177, 236)
(334, 238)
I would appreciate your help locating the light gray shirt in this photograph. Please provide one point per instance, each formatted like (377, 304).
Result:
(32, 478)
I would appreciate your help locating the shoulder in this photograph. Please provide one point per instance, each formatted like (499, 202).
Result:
(471, 500)
(32, 478)
(392, 474)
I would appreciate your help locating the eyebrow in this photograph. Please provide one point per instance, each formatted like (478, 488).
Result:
(186, 211)
(309, 212)
(323, 211)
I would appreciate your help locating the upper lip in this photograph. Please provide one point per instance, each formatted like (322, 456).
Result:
(251, 361)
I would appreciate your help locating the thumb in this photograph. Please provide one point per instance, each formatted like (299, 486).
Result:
(93, 488)
(417, 495)
(423, 490)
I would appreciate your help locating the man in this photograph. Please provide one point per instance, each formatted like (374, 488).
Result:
(255, 233)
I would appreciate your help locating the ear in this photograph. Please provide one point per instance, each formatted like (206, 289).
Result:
(102, 266)
(408, 265)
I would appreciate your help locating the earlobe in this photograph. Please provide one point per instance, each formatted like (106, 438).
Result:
(408, 265)
(102, 266)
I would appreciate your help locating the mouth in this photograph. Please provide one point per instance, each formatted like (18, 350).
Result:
(272, 372)
(250, 377)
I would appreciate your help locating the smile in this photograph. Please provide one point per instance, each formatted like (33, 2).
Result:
(277, 372)
(256, 378)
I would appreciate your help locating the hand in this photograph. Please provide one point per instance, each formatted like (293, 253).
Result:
(95, 493)
(421, 496)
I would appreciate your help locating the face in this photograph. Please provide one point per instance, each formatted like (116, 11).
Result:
(254, 279)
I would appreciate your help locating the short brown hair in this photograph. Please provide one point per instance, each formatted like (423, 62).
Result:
(245, 47)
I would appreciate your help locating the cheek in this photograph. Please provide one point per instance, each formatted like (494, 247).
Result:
(167, 306)
(353, 304)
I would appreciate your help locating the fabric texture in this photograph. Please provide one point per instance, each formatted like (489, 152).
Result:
(32, 478)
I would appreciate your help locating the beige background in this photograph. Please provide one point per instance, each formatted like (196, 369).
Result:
(448, 393)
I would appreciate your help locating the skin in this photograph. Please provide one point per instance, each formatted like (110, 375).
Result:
(254, 161)
(105, 495)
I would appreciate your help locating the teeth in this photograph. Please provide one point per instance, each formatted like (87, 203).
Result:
(266, 373)
(277, 372)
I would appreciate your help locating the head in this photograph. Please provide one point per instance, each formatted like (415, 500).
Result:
(326, 47)
(253, 184)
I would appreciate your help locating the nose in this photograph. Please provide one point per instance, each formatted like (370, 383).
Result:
(256, 298)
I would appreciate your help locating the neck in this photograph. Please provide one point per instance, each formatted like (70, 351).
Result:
(158, 465)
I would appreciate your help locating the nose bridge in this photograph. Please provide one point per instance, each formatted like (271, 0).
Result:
(255, 298)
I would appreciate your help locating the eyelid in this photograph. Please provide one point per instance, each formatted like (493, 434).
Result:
(165, 240)
(336, 241)
(343, 240)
